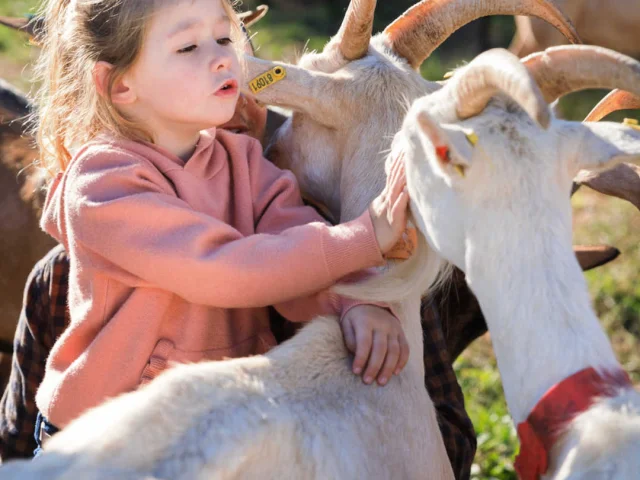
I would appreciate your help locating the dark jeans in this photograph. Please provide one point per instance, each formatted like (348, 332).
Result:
(42, 423)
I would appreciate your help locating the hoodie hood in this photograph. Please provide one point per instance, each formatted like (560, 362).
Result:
(52, 220)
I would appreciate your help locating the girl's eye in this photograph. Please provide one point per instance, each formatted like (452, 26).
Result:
(188, 49)
(224, 41)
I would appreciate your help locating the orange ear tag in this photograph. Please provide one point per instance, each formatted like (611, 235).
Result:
(267, 79)
(405, 246)
(444, 154)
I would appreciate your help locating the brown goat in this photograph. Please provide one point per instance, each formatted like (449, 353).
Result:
(22, 243)
(613, 24)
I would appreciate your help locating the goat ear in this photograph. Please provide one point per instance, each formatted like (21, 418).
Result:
(449, 159)
(294, 88)
(604, 145)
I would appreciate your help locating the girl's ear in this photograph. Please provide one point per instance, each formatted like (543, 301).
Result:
(121, 93)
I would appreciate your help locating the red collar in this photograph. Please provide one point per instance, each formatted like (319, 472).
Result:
(555, 409)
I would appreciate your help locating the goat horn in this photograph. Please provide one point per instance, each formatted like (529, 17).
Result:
(569, 68)
(422, 28)
(251, 17)
(492, 72)
(355, 32)
(592, 256)
(614, 101)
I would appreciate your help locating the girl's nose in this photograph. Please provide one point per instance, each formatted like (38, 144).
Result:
(222, 61)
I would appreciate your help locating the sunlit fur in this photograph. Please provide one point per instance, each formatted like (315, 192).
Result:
(297, 412)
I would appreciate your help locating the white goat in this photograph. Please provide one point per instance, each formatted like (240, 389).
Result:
(499, 210)
(297, 412)
(338, 157)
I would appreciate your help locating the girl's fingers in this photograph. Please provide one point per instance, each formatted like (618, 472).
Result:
(396, 170)
(398, 185)
(378, 352)
(395, 165)
(363, 348)
(349, 335)
(403, 358)
(390, 177)
(391, 361)
(398, 211)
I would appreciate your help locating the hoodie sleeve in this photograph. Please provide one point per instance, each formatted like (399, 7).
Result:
(277, 206)
(124, 214)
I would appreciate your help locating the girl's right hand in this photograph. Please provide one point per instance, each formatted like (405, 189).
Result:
(389, 210)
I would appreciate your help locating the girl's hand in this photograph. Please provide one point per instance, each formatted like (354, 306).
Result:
(377, 339)
(389, 210)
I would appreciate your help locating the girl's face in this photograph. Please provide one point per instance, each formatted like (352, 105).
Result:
(187, 75)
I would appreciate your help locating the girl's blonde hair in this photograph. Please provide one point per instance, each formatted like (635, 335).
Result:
(77, 35)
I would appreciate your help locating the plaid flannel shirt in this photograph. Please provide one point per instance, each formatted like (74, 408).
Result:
(43, 318)
(450, 322)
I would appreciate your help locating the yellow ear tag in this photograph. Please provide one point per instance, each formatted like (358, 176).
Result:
(267, 79)
(460, 169)
(631, 122)
(472, 137)
(448, 75)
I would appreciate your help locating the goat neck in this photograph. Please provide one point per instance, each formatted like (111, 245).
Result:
(542, 326)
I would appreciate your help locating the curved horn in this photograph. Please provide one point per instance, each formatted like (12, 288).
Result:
(497, 71)
(566, 69)
(422, 28)
(252, 16)
(355, 32)
(614, 101)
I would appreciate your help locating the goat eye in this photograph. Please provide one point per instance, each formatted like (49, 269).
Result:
(224, 41)
(188, 49)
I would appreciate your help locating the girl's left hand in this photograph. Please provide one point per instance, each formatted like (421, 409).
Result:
(378, 341)
(389, 209)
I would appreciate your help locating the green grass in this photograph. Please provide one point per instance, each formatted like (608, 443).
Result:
(15, 51)
(614, 288)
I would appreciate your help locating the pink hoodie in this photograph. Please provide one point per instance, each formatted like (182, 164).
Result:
(177, 262)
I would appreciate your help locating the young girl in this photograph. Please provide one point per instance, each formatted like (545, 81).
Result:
(179, 234)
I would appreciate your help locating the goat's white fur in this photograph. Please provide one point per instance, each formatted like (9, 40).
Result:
(507, 225)
(296, 412)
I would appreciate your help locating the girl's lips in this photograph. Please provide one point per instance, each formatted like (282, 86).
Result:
(228, 89)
